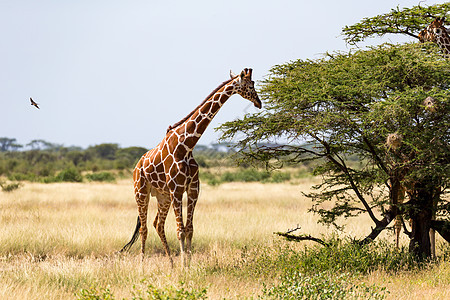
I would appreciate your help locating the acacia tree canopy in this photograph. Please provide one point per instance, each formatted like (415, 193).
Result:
(409, 21)
(346, 105)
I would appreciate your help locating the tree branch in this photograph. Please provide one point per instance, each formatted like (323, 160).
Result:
(374, 154)
(297, 238)
(345, 170)
(388, 217)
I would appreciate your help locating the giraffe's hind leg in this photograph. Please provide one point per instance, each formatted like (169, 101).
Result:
(142, 209)
(142, 194)
(163, 209)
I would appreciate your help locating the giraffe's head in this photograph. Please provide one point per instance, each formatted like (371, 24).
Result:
(245, 87)
(433, 31)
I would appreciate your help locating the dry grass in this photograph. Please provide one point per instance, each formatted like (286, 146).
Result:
(58, 238)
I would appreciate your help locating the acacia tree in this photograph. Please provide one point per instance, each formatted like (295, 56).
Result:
(346, 105)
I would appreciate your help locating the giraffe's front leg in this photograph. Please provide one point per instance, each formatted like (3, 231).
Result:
(163, 209)
(176, 199)
(192, 196)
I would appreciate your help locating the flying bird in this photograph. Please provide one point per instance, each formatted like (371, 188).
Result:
(34, 103)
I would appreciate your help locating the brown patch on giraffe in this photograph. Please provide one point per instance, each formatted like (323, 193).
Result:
(171, 185)
(172, 143)
(215, 106)
(190, 126)
(202, 126)
(206, 108)
(180, 189)
(198, 119)
(190, 142)
(146, 164)
(154, 176)
(164, 152)
(156, 160)
(229, 89)
(180, 152)
(162, 182)
(160, 168)
(173, 171)
(168, 162)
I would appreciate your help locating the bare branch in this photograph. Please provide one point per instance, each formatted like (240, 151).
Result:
(298, 238)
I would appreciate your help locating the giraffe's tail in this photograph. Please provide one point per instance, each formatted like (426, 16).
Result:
(133, 238)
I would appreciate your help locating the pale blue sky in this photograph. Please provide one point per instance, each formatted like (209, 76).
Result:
(122, 71)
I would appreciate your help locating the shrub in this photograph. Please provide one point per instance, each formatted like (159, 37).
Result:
(69, 175)
(343, 256)
(145, 291)
(22, 177)
(277, 177)
(322, 285)
(102, 176)
(149, 292)
(348, 256)
(209, 178)
(10, 187)
(95, 294)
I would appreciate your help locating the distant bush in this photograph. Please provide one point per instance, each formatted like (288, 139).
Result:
(69, 175)
(22, 177)
(101, 176)
(245, 175)
(209, 178)
(9, 187)
(277, 177)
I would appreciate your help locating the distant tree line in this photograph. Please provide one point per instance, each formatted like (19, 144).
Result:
(43, 161)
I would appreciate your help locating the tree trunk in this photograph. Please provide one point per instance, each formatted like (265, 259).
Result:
(421, 213)
(420, 234)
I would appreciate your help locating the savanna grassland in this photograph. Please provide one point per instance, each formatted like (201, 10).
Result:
(60, 241)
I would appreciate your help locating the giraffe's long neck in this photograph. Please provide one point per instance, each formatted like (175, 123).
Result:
(443, 41)
(189, 132)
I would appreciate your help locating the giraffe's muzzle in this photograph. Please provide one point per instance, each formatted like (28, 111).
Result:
(257, 103)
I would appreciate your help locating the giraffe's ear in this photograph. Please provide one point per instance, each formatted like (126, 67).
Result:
(242, 75)
(232, 75)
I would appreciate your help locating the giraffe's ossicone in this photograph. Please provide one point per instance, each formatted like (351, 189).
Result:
(169, 170)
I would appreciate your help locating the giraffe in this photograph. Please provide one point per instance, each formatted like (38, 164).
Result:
(436, 32)
(169, 169)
